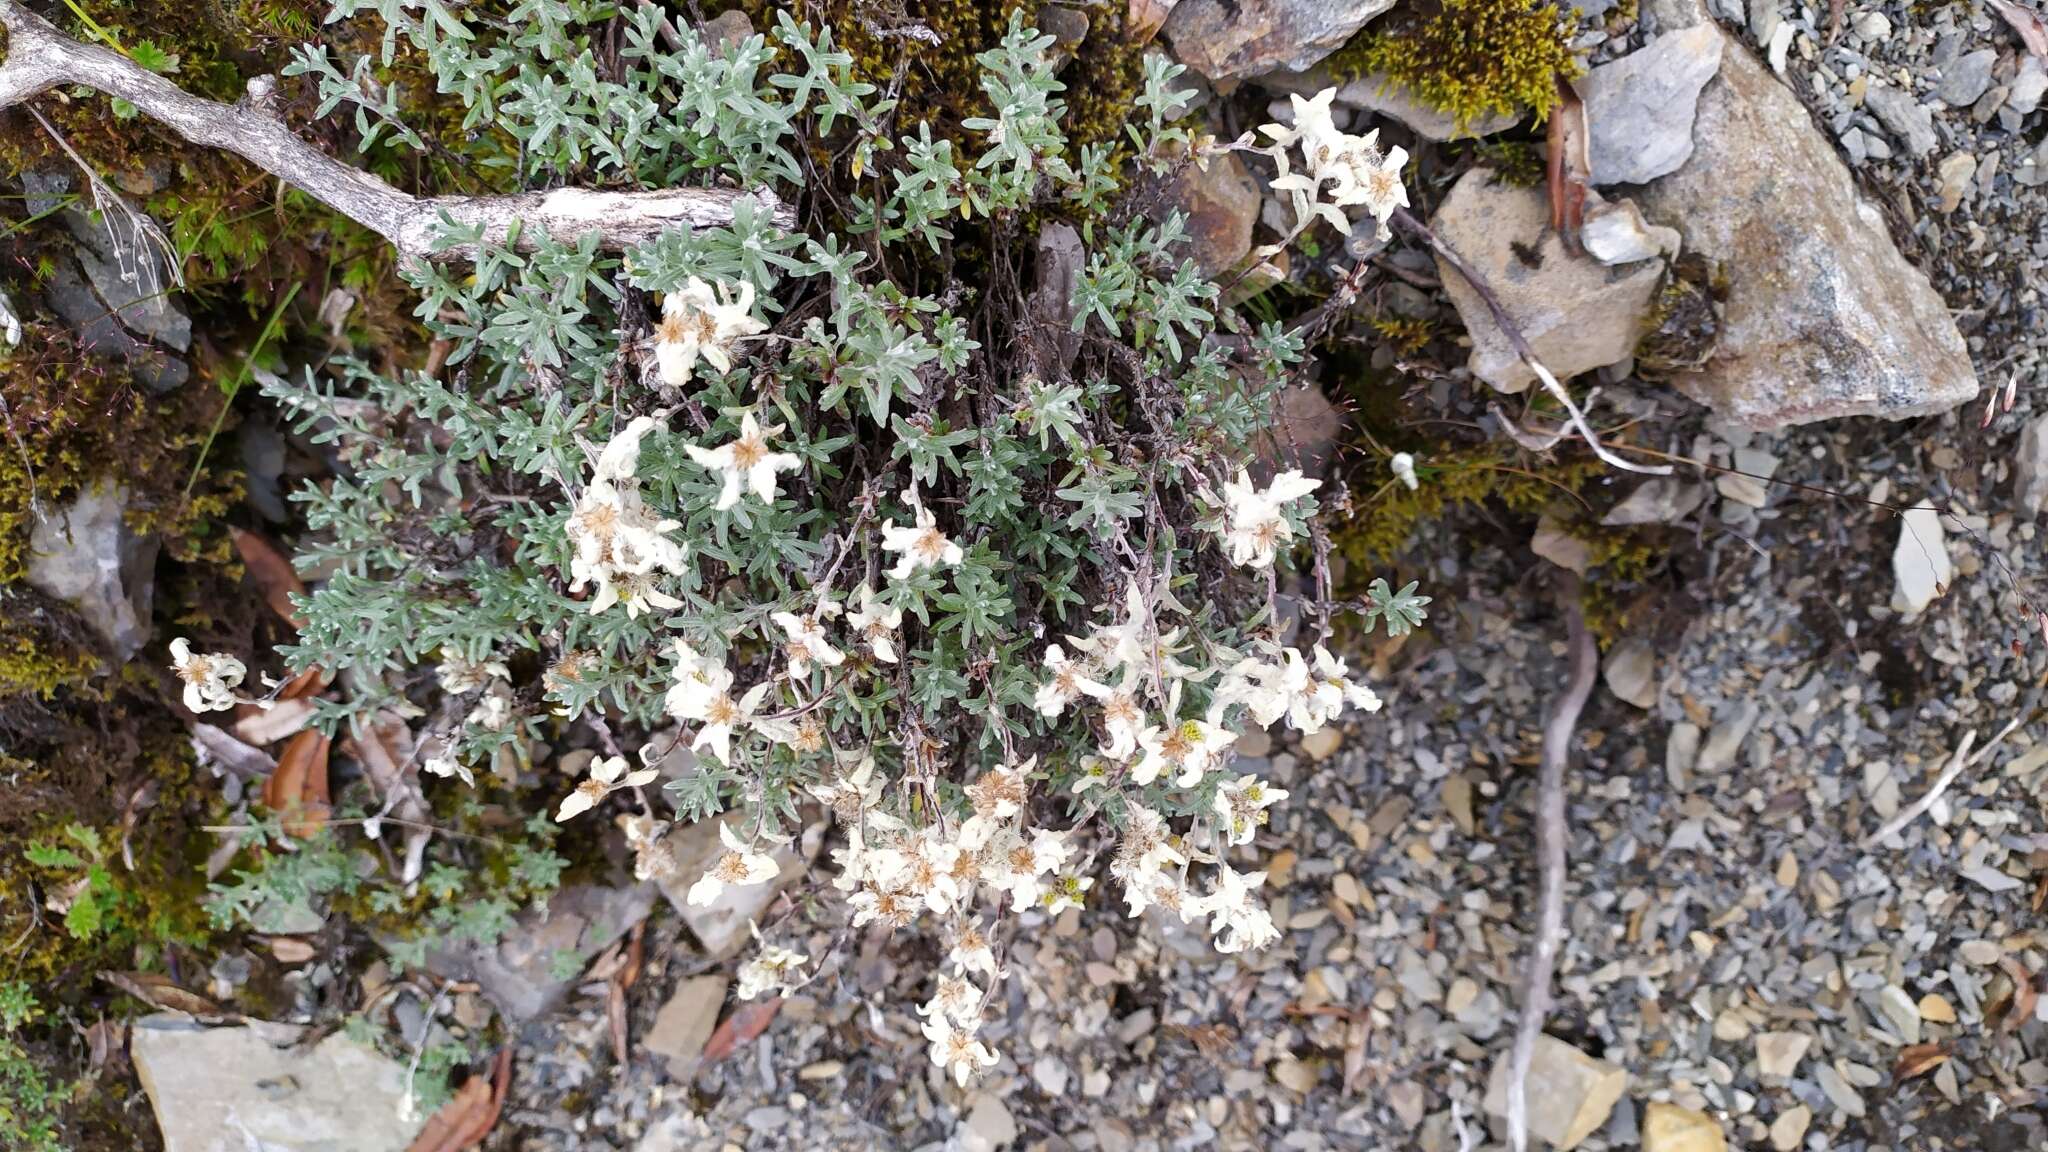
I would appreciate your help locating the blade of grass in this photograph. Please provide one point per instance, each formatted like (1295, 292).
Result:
(241, 377)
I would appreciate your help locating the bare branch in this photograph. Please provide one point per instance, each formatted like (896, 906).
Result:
(1957, 762)
(39, 58)
(1551, 838)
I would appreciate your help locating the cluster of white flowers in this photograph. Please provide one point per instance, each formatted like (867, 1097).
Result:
(1255, 520)
(619, 542)
(210, 679)
(772, 969)
(1358, 173)
(700, 321)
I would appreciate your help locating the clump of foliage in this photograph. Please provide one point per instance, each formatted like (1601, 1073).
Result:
(1470, 58)
(31, 1106)
(857, 529)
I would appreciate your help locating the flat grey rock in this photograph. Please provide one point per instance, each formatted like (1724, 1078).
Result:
(1640, 108)
(243, 1088)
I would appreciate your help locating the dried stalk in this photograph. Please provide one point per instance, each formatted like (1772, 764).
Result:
(39, 58)
(1520, 344)
(1957, 762)
(1551, 839)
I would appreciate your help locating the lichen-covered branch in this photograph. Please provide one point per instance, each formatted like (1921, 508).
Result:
(39, 58)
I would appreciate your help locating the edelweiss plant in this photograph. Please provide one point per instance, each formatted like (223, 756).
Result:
(847, 519)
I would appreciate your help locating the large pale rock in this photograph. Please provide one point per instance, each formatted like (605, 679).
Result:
(1640, 108)
(84, 555)
(721, 926)
(1670, 1128)
(1920, 560)
(1570, 1093)
(1577, 313)
(230, 1089)
(1232, 39)
(1824, 318)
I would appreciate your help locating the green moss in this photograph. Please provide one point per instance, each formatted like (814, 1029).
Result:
(1516, 163)
(1382, 520)
(72, 417)
(1406, 335)
(1470, 58)
(1684, 325)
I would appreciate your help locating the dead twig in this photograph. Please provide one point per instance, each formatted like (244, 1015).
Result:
(1520, 343)
(1957, 762)
(40, 57)
(1551, 838)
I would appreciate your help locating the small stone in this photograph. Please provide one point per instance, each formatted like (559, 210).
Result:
(1936, 1010)
(1256, 743)
(1838, 1091)
(1788, 1131)
(685, 1024)
(1559, 547)
(1641, 106)
(1670, 1128)
(1630, 671)
(1221, 205)
(1900, 1009)
(1872, 27)
(1662, 500)
(1905, 118)
(1457, 797)
(2028, 86)
(1920, 560)
(85, 555)
(1344, 887)
(1955, 172)
(1965, 80)
(1051, 1075)
(1294, 1075)
(989, 1125)
(1681, 751)
(1615, 232)
(1731, 1027)
(2030, 466)
(1383, 96)
(1788, 870)
(1569, 1093)
(1982, 953)
(1322, 743)
(821, 1070)
(1779, 1053)
(1750, 482)
(1725, 740)
(1464, 991)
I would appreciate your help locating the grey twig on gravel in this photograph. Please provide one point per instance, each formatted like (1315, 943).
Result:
(1551, 838)
(1957, 761)
(39, 58)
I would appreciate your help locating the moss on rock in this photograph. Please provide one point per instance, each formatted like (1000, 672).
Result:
(1469, 58)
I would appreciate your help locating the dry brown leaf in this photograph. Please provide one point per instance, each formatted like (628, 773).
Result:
(447, 1124)
(272, 571)
(298, 789)
(469, 1116)
(1570, 164)
(2024, 997)
(2028, 23)
(1918, 1060)
(307, 683)
(158, 990)
(1146, 18)
(746, 1022)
